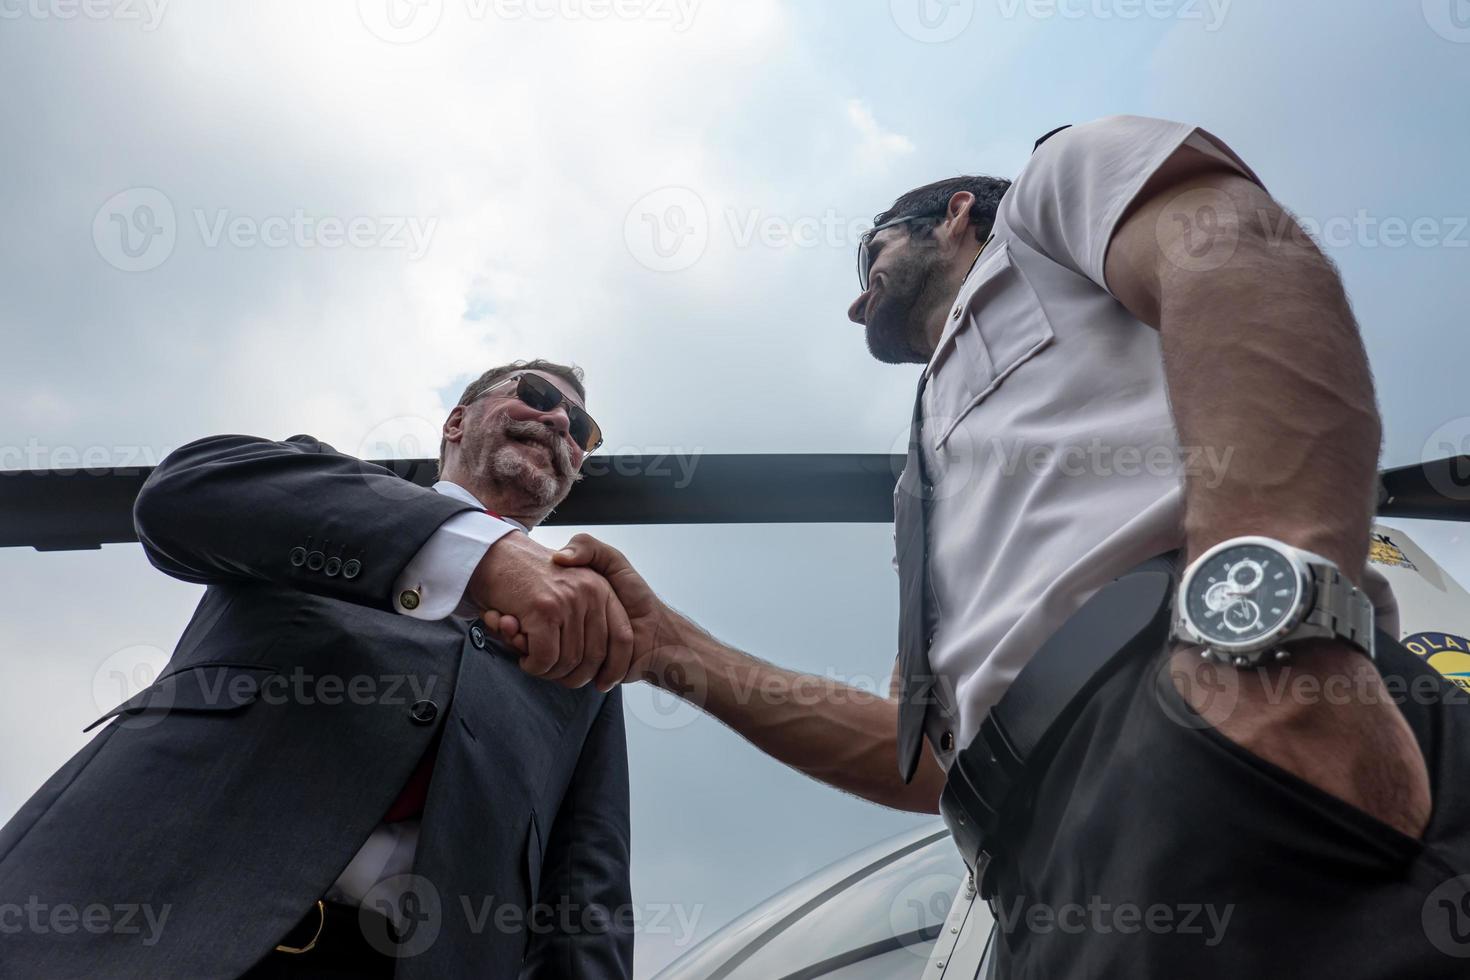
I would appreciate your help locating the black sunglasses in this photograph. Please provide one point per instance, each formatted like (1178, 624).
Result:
(540, 394)
(864, 262)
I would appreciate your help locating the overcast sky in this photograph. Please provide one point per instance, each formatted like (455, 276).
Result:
(327, 217)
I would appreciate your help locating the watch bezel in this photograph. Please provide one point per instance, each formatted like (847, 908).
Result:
(1305, 597)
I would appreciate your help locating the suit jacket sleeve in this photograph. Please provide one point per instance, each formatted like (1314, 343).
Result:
(234, 507)
(586, 865)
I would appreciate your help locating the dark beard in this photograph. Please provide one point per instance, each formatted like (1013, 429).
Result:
(894, 323)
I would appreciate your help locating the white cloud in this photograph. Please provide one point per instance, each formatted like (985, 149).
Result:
(878, 144)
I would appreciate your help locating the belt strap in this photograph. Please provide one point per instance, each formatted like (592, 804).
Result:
(1128, 617)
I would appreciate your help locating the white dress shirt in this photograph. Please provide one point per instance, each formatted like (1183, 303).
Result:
(1047, 428)
(439, 574)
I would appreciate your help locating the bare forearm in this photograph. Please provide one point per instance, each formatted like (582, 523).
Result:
(834, 732)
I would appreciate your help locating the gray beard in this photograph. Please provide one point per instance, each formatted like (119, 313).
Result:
(510, 467)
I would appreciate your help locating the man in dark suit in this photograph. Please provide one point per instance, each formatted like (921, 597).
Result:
(340, 773)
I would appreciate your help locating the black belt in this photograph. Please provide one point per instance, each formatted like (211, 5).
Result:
(1127, 618)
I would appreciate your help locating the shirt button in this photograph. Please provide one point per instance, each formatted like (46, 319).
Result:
(351, 567)
(298, 557)
(477, 636)
(424, 712)
(946, 742)
(956, 314)
(409, 598)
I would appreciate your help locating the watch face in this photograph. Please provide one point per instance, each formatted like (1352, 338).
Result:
(1242, 595)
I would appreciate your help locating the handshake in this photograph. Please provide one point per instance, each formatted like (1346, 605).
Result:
(578, 615)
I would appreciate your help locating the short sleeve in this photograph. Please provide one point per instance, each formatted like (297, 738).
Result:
(1069, 199)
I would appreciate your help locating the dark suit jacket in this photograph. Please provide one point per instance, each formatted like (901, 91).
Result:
(222, 801)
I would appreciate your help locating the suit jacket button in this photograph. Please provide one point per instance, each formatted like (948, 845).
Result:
(424, 712)
(332, 567)
(315, 561)
(477, 636)
(298, 556)
(351, 567)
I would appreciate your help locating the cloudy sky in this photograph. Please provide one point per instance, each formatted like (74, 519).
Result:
(285, 217)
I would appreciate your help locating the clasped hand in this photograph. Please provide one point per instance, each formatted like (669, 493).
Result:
(577, 615)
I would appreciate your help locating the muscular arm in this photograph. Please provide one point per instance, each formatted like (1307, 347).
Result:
(838, 734)
(1263, 360)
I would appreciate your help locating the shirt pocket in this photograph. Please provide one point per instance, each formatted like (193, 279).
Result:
(1000, 327)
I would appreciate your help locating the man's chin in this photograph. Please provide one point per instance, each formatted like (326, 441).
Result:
(524, 467)
(889, 343)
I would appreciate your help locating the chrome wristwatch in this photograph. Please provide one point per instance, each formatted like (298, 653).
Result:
(1245, 599)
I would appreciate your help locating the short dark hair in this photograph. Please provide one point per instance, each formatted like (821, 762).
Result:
(570, 373)
(932, 200)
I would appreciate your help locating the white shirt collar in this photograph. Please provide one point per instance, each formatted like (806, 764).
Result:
(451, 489)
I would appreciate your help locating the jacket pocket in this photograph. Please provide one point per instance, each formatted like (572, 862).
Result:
(208, 687)
(1001, 326)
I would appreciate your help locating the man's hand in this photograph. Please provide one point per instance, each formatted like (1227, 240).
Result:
(647, 615)
(572, 628)
(1325, 717)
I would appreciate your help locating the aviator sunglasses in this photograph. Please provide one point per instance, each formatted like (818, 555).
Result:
(864, 259)
(540, 394)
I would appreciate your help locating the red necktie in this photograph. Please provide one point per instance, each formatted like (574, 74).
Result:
(410, 802)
